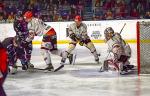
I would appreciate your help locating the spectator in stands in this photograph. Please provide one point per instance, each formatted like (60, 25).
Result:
(118, 14)
(1, 10)
(147, 15)
(108, 15)
(148, 5)
(107, 5)
(32, 2)
(134, 13)
(37, 7)
(2, 4)
(56, 2)
(5, 16)
(97, 3)
(98, 14)
(2, 20)
(72, 14)
(57, 17)
(50, 16)
(10, 19)
(121, 9)
(73, 2)
(80, 7)
(65, 10)
(140, 8)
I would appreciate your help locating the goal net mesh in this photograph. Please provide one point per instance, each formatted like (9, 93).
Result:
(144, 47)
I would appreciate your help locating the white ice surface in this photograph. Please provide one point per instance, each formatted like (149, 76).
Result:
(82, 79)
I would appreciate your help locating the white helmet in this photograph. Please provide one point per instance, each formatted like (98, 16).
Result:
(108, 32)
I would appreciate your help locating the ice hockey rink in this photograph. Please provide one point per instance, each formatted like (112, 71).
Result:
(81, 79)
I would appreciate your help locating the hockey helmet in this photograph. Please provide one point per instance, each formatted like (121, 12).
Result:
(108, 32)
(18, 15)
(28, 15)
(78, 18)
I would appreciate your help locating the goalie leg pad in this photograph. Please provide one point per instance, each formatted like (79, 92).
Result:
(46, 55)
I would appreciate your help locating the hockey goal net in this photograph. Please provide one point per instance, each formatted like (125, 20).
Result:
(143, 47)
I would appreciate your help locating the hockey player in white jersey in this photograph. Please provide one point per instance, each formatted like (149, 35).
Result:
(37, 27)
(121, 53)
(78, 34)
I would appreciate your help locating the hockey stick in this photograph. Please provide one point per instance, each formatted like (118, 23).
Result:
(122, 28)
(35, 69)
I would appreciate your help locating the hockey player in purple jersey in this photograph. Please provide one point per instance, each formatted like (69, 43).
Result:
(24, 49)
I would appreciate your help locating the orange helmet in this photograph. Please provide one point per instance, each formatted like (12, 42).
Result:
(28, 15)
(78, 18)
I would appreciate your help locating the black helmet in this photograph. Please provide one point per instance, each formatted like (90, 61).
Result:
(18, 15)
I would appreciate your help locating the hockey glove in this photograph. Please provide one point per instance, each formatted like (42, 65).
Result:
(81, 43)
(73, 37)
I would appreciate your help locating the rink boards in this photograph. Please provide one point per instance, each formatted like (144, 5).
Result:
(95, 30)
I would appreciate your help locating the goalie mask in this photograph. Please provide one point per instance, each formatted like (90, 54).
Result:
(108, 32)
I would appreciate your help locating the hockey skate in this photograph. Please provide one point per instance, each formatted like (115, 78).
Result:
(24, 66)
(127, 69)
(12, 69)
(30, 67)
(130, 67)
(123, 69)
(72, 58)
(97, 59)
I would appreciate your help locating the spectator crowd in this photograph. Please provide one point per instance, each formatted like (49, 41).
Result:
(65, 10)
